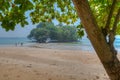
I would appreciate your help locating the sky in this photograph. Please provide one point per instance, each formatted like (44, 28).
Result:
(18, 32)
(22, 31)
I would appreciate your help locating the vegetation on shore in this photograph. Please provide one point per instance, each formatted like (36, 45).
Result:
(48, 32)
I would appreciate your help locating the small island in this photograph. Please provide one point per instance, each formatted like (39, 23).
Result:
(47, 32)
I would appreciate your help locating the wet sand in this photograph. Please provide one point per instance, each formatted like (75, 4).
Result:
(31, 63)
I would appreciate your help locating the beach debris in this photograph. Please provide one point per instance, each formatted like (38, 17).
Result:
(29, 66)
(97, 77)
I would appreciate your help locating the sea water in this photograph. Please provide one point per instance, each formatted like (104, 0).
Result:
(82, 44)
(87, 45)
(12, 40)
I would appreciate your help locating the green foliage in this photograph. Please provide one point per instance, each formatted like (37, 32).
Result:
(47, 30)
(39, 34)
(12, 12)
(118, 29)
(67, 33)
(80, 30)
(101, 10)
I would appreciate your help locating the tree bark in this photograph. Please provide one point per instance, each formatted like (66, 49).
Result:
(103, 50)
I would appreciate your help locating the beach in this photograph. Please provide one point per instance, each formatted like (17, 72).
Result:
(40, 63)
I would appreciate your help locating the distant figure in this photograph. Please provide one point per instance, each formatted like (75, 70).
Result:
(21, 44)
(16, 44)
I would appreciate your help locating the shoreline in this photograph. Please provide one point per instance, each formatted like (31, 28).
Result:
(60, 46)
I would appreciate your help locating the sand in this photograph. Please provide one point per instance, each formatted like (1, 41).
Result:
(30, 63)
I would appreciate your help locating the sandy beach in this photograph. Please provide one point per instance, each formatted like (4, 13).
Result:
(31, 63)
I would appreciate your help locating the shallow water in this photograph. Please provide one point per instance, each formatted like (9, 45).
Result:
(12, 41)
(83, 44)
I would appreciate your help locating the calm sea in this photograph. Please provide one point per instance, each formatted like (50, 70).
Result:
(87, 45)
(12, 41)
(83, 44)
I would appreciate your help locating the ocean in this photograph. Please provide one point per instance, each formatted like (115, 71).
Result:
(5, 41)
(86, 43)
(83, 44)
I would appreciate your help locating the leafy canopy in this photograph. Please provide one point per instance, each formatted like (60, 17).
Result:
(59, 33)
(101, 10)
(13, 12)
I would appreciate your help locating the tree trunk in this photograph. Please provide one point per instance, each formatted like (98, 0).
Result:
(105, 53)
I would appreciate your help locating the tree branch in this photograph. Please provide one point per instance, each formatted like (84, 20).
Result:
(113, 31)
(116, 21)
(110, 16)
